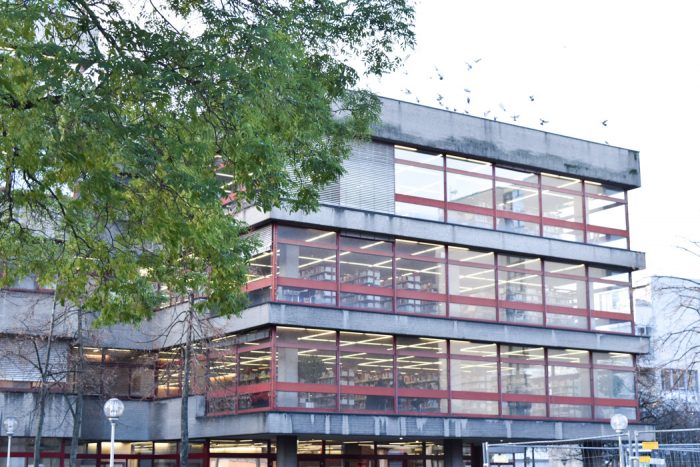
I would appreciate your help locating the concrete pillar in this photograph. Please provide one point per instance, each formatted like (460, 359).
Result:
(453, 453)
(287, 372)
(286, 451)
(288, 261)
(478, 455)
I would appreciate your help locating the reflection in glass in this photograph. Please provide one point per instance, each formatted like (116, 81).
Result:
(468, 190)
(303, 262)
(522, 378)
(471, 219)
(306, 295)
(614, 384)
(419, 181)
(606, 213)
(473, 376)
(521, 199)
(419, 211)
(569, 381)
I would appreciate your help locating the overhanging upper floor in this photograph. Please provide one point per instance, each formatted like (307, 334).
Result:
(427, 127)
(359, 220)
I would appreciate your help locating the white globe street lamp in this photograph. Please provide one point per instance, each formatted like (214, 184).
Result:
(113, 409)
(618, 422)
(10, 424)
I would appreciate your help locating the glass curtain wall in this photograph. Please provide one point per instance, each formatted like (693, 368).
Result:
(428, 279)
(353, 372)
(460, 190)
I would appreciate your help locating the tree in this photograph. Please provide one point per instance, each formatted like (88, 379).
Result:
(125, 125)
(130, 109)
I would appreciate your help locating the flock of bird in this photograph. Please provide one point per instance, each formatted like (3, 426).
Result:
(440, 99)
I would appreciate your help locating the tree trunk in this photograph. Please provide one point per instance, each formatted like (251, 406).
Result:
(78, 411)
(43, 388)
(185, 393)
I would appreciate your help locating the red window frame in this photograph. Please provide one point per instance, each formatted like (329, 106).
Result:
(540, 219)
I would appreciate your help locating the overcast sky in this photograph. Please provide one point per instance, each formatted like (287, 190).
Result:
(634, 64)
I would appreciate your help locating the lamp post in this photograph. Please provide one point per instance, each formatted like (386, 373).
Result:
(113, 409)
(10, 424)
(618, 422)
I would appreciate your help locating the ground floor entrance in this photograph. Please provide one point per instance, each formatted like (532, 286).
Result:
(287, 451)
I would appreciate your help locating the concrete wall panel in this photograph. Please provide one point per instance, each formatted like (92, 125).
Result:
(407, 123)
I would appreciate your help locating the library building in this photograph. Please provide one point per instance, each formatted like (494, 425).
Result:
(465, 281)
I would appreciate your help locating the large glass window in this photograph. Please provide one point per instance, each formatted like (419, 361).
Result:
(610, 300)
(519, 279)
(422, 374)
(469, 182)
(366, 274)
(520, 289)
(474, 377)
(562, 201)
(420, 278)
(260, 267)
(327, 370)
(565, 295)
(305, 262)
(366, 361)
(569, 373)
(306, 357)
(614, 384)
(606, 214)
(406, 276)
(613, 375)
(474, 192)
(472, 273)
(522, 370)
(469, 192)
(517, 201)
(523, 374)
(419, 182)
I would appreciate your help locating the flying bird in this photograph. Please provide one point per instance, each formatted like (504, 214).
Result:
(515, 117)
(440, 75)
(440, 97)
(605, 123)
(407, 91)
(543, 121)
(486, 114)
(466, 90)
(532, 98)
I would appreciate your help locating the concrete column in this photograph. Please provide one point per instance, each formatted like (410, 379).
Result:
(478, 455)
(286, 451)
(453, 453)
(287, 372)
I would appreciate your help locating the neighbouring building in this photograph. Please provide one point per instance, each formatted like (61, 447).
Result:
(667, 310)
(465, 281)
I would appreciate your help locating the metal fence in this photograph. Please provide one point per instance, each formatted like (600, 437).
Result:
(676, 448)
(579, 452)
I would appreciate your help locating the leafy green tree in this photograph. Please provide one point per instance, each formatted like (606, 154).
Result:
(131, 105)
(119, 117)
